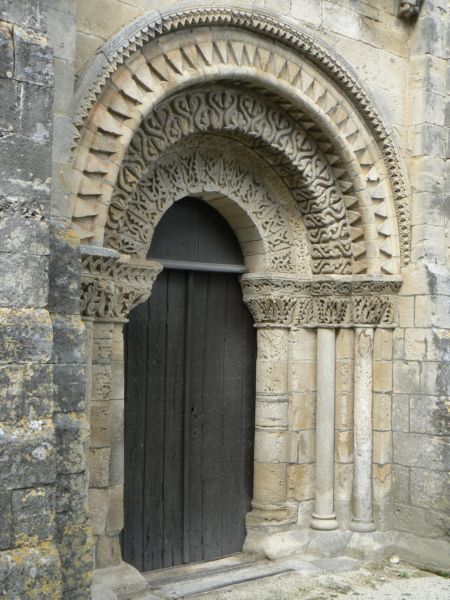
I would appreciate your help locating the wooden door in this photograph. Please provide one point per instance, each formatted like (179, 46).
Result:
(190, 397)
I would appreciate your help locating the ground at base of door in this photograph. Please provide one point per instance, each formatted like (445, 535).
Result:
(308, 578)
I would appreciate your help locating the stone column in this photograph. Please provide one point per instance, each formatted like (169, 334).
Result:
(270, 467)
(323, 516)
(362, 475)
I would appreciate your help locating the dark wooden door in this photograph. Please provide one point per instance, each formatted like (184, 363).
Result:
(190, 397)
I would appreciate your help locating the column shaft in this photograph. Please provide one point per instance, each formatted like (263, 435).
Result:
(323, 516)
(270, 469)
(362, 440)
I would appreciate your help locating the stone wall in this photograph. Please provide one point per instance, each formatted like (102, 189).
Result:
(29, 557)
(45, 542)
(421, 375)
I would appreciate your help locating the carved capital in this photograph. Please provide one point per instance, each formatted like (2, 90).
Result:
(321, 302)
(111, 285)
(409, 8)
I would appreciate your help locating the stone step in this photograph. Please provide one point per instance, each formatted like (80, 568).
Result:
(191, 580)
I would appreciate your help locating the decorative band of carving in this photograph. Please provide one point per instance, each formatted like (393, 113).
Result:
(346, 302)
(111, 287)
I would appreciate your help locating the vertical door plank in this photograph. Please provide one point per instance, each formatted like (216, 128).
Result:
(136, 361)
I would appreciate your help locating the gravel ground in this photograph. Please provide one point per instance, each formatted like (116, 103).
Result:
(378, 580)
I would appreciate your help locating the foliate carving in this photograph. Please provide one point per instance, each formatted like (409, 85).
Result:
(135, 211)
(156, 25)
(288, 302)
(234, 113)
(111, 287)
(409, 8)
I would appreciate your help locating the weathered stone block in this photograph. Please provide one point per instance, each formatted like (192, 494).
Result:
(65, 87)
(343, 481)
(72, 430)
(76, 548)
(420, 450)
(18, 231)
(400, 412)
(382, 344)
(344, 411)
(435, 378)
(270, 446)
(31, 573)
(303, 343)
(64, 272)
(27, 455)
(28, 13)
(343, 446)
(102, 343)
(68, 336)
(33, 515)
(9, 112)
(344, 375)
(61, 29)
(269, 482)
(116, 422)
(98, 507)
(303, 376)
(71, 496)
(101, 382)
(301, 482)
(382, 376)
(382, 447)
(99, 467)
(307, 446)
(25, 335)
(425, 414)
(99, 421)
(6, 50)
(345, 345)
(400, 484)
(25, 160)
(116, 465)
(430, 489)
(69, 387)
(302, 411)
(107, 551)
(36, 111)
(114, 518)
(423, 522)
(33, 58)
(6, 520)
(118, 380)
(406, 379)
(23, 281)
(381, 412)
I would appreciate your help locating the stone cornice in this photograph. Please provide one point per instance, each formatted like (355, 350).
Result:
(330, 302)
(111, 285)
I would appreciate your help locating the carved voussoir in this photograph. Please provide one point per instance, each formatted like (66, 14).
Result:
(111, 285)
(275, 301)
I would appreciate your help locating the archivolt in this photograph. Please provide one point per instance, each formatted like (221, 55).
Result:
(272, 134)
(350, 133)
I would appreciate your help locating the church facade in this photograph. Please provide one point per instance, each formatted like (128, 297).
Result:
(224, 286)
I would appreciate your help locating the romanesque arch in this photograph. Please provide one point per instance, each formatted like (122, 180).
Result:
(164, 111)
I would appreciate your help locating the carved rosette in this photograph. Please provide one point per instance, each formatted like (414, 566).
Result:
(112, 286)
(346, 302)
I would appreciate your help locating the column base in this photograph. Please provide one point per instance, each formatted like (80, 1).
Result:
(362, 526)
(324, 522)
(273, 516)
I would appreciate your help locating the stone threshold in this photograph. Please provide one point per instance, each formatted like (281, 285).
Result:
(189, 581)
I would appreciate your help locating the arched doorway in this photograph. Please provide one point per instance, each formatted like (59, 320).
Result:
(190, 397)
